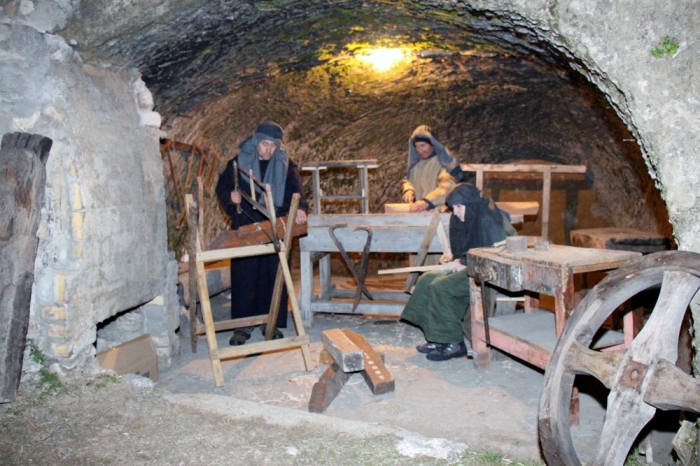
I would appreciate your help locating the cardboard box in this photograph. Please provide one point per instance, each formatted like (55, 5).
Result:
(137, 356)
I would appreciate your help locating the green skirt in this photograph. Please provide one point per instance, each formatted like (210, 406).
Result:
(438, 305)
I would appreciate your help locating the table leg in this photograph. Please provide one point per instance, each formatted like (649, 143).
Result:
(324, 270)
(563, 307)
(564, 300)
(481, 351)
(307, 287)
(532, 301)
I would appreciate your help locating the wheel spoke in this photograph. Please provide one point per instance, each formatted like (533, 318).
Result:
(626, 417)
(671, 388)
(641, 379)
(659, 337)
(601, 365)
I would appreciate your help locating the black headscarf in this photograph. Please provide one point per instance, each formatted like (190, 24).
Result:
(483, 222)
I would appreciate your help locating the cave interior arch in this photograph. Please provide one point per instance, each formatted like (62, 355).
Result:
(491, 86)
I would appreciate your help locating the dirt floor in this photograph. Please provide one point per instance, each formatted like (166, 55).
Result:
(440, 413)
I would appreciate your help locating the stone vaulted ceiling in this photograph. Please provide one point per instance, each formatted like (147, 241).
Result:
(497, 90)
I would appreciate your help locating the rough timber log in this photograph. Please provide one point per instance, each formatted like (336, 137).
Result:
(257, 233)
(22, 181)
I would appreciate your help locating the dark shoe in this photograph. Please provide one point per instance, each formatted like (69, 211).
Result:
(239, 337)
(429, 347)
(276, 335)
(448, 351)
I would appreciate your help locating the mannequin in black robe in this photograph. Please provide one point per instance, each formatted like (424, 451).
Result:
(253, 278)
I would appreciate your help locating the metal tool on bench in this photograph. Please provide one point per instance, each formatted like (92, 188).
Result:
(359, 276)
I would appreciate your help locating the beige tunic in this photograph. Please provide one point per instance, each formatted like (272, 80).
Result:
(429, 181)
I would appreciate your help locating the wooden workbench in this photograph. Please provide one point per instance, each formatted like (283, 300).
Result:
(398, 233)
(531, 336)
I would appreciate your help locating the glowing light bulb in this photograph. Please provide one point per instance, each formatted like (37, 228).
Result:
(382, 59)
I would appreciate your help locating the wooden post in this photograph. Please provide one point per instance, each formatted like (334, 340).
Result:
(546, 199)
(316, 178)
(192, 230)
(22, 177)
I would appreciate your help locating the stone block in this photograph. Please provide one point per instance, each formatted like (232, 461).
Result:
(58, 331)
(77, 225)
(77, 198)
(59, 283)
(59, 350)
(54, 312)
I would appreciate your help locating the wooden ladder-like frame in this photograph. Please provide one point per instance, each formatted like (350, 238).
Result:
(283, 278)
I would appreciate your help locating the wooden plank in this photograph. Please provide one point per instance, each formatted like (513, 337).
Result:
(378, 295)
(259, 347)
(546, 197)
(208, 322)
(22, 181)
(323, 164)
(244, 251)
(423, 250)
(525, 167)
(257, 233)
(344, 352)
(192, 231)
(365, 308)
(519, 208)
(421, 219)
(376, 374)
(279, 279)
(230, 324)
(391, 239)
(418, 268)
(579, 259)
(324, 357)
(327, 388)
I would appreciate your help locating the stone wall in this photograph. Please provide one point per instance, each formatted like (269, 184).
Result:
(611, 43)
(103, 232)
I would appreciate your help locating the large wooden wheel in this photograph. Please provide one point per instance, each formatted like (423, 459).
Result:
(641, 379)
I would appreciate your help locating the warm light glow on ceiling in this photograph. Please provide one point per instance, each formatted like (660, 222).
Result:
(382, 59)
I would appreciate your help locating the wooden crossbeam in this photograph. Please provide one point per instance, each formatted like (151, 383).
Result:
(327, 388)
(339, 347)
(343, 351)
(376, 374)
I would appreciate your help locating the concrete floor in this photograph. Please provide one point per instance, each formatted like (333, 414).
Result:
(495, 410)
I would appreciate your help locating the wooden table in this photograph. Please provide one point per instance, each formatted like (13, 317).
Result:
(531, 336)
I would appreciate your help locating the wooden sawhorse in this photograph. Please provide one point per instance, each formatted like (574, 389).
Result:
(299, 341)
